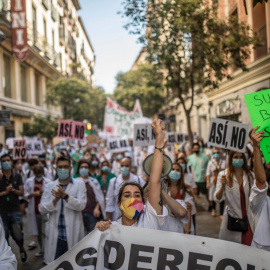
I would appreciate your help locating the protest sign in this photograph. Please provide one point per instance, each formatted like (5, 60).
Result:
(118, 145)
(92, 138)
(71, 130)
(118, 121)
(143, 135)
(19, 149)
(258, 105)
(124, 247)
(34, 146)
(171, 137)
(228, 135)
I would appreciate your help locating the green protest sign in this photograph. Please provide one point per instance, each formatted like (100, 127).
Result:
(258, 105)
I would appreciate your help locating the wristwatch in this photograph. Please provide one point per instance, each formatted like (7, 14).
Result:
(66, 196)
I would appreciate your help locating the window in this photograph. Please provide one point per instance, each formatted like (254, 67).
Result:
(53, 40)
(6, 77)
(34, 23)
(37, 89)
(45, 29)
(23, 83)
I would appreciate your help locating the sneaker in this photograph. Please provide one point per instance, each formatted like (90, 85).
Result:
(33, 244)
(39, 254)
(24, 256)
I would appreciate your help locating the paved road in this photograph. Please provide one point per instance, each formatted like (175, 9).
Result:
(206, 226)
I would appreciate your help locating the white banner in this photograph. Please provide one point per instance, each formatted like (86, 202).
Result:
(228, 135)
(118, 145)
(143, 135)
(118, 121)
(34, 146)
(123, 247)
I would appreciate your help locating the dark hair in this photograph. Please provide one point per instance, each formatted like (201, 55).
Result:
(6, 155)
(38, 169)
(129, 184)
(82, 161)
(61, 158)
(194, 144)
(16, 160)
(105, 161)
(32, 162)
(181, 158)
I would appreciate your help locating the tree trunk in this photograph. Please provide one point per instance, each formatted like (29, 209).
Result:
(190, 135)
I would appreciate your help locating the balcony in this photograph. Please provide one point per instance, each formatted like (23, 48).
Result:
(45, 3)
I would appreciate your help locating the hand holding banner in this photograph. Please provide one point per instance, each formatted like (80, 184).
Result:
(258, 105)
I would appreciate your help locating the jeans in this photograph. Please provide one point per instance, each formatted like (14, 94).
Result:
(61, 248)
(41, 219)
(89, 222)
(13, 223)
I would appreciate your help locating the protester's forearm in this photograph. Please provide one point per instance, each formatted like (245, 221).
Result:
(109, 215)
(260, 175)
(4, 193)
(220, 193)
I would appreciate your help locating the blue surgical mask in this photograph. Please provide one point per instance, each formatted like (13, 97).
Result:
(6, 166)
(174, 176)
(94, 163)
(39, 179)
(120, 157)
(105, 169)
(247, 156)
(83, 172)
(216, 155)
(183, 166)
(124, 171)
(237, 163)
(93, 153)
(63, 174)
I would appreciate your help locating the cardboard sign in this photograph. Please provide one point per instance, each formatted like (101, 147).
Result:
(228, 135)
(69, 129)
(125, 247)
(143, 135)
(19, 149)
(34, 146)
(118, 145)
(92, 138)
(258, 105)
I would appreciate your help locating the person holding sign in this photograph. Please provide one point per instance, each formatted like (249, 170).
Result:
(131, 197)
(260, 197)
(234, 185)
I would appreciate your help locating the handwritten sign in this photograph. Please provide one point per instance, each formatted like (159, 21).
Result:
(69, 129)
(19, 149)
(258, 105)
(228, 134)
(143, 135)
(118, 145)
(34, 146)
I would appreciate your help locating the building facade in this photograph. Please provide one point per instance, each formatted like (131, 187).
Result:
(58, 46)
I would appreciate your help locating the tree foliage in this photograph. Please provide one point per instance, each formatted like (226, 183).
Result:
(78, 100)
(44, 127)
(144, 84)
(186, 39)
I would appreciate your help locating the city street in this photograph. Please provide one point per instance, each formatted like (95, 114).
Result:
(207, 226)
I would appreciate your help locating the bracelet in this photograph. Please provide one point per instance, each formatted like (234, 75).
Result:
(160, 149)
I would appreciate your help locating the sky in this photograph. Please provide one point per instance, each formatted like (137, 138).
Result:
(115, 49)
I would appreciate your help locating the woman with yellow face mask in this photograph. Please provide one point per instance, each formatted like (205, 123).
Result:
(131, 198)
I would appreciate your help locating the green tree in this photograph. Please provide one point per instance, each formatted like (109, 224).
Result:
(78, 100)
(44, 127)
(186, 39)
(143, 83)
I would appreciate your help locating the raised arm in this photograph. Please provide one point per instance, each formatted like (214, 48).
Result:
(156, 167)
(258, 165)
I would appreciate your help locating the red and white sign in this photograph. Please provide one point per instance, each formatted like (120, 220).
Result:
(71, 130)
(19, 30)
(19, 149)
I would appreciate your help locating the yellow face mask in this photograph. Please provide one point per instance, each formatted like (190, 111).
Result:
(131, 208)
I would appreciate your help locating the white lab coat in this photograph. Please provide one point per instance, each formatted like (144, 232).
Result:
(233, 201)
(97, 191)
(29, 188)
(190, 180)
(73, 216)
(173, 223)
(260, 208)
(7, 258)
(113, 190)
